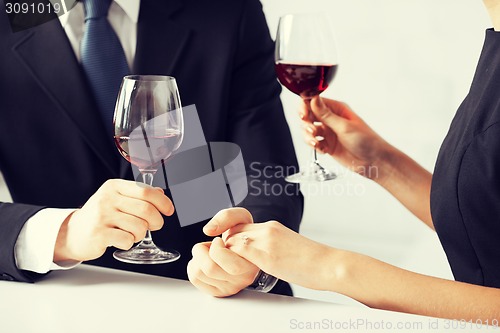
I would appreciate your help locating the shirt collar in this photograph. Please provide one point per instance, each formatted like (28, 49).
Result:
(130, 7)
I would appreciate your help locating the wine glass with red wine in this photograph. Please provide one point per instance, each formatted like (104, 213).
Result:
(306, 62)
(148, 129)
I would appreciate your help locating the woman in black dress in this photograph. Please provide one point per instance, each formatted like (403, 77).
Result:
(461, 201)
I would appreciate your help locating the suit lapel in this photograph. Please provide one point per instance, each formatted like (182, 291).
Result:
(47, 54)
(160, 40)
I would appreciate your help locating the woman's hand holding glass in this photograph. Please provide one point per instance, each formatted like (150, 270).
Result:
(347, 138)
(342, 134)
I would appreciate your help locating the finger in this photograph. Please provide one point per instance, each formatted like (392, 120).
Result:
(317, 142)
(311, 140)
(321, 129)
(133, 225)
(144, 192)
(199, 280)
(226, 219)
(305, 112)
(229, 261)
(322, 134)
(329, 115)
(322, 148)
(118, 238)
(310, 128)
(239, 230)
(206, 264)
(141, 209)
(243, 243)
(312, 135)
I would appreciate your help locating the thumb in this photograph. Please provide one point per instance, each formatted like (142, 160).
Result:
(226, 219)
(328, 114)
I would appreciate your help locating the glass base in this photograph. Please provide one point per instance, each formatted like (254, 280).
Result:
(146, 254)
(315, 173)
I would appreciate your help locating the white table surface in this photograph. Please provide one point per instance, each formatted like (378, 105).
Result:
(90, 299)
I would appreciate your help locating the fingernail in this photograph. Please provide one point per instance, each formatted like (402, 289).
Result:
(313, 143)
(319, 138)
(317, 123)
(309, 129)
(210, 228)
(302, 115)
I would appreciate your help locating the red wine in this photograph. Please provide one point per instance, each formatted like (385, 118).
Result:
(147, 152)
(305, 80)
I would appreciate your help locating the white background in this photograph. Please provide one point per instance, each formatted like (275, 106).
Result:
(405, 66)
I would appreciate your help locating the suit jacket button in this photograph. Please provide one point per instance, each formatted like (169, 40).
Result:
(6, 277)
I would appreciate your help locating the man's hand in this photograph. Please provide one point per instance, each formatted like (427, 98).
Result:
(118, 214)
(215, 269)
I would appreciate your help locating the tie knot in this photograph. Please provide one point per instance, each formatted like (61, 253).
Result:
(95, 9)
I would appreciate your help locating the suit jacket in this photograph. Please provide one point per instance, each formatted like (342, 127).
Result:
(54, 151)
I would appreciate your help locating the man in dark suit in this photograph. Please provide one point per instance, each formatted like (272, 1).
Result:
(55, 151)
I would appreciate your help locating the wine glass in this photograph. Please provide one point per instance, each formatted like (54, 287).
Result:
(306, 62)
(148, 128)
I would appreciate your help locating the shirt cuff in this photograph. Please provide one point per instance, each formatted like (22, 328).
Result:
(34, 248)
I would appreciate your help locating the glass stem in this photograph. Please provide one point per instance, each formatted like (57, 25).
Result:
(147, 178)
(314, 156)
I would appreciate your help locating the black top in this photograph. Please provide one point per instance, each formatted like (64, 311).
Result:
(465, 196)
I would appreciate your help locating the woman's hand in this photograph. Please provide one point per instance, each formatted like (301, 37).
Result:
(356, 146)
(281, 252)
(346, 136)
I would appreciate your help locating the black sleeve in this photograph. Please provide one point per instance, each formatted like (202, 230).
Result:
(479, 199)
(258, 124)
(12, 219)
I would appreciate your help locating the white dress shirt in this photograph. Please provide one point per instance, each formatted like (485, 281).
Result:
(34, 249)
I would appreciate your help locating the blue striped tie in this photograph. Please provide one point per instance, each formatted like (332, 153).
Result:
(102, 58)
